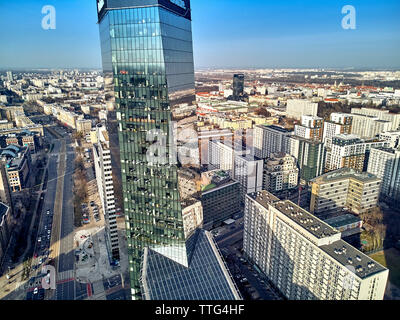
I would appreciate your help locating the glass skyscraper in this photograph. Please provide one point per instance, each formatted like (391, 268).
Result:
(147, 49)
(238, 86)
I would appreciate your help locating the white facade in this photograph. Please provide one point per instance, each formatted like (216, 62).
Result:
(103, 169)
(269, 140)
(280, 173)
(249, 172)
(221, 155)
(385, 164)
(304, 257)
(298, 108)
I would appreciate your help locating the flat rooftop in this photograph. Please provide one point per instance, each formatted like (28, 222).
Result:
(349, 256)
(303, 218)
(306, 220)
(345, 173)
(342, 220)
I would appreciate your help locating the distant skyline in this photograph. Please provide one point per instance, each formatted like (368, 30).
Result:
(227, 34)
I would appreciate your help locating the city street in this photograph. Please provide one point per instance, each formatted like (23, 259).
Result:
(249, 281)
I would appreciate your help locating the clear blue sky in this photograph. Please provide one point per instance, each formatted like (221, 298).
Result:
(226, 33)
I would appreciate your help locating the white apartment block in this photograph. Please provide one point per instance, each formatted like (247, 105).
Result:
(385, 163)
(221, 155)
(103, 169)
(384, 115)
(280, 173)
(304, 257)
(340, 123)
(298, 108)
(392, 137)
(368, 127)
(350, 151)
(269, 140)
(311, 128)
(249, 172)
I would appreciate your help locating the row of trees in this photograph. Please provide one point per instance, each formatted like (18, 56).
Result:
(80, 190)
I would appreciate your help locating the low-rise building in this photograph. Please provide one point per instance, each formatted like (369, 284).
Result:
(220, 197)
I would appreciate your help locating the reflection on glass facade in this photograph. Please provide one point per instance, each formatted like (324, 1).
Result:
(238, 86)
(207, 278)
(148, 50)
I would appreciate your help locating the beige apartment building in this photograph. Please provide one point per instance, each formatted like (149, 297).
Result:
(344, 188)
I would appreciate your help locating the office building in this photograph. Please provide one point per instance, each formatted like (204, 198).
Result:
(220, 198)
(5, 191)
(147, 48)
(310, 156)
(249, 172)
(269, 140)
(347, 224)
(105, 186)
(18, 163)
(238, 86)
(280, 173)
(297, 108)
(304, 257)
(344, 189)
(385, 164)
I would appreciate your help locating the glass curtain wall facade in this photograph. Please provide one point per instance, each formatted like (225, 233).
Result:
(148, 51)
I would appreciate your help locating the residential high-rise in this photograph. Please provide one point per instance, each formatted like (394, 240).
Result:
(221, 155)
(269, 140)
(340, 123)
(385, 164)
(304, 257)
(298, 108)
(368, 127)
(238, 86)
(385, 115)
(344, 188)
(147, 49)
(349, 151)
(249, 172)
(10, 76)
(206, 136)
(280, 173)
(105, 186)
(311, 128)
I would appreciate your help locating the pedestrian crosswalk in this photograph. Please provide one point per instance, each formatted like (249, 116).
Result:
(66, 275)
